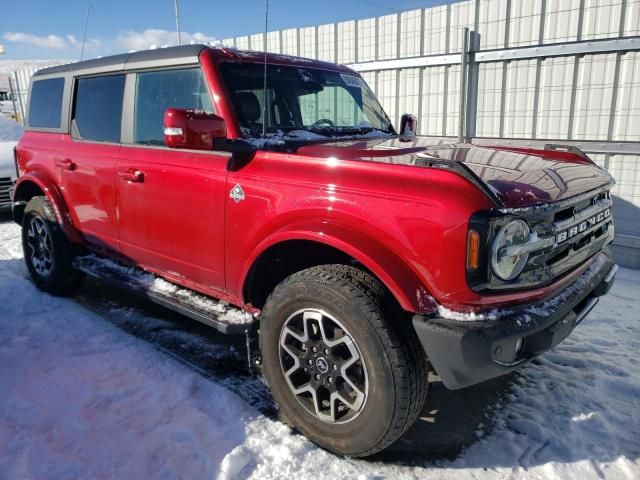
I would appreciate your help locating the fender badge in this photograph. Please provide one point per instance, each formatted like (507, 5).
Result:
(237, 193)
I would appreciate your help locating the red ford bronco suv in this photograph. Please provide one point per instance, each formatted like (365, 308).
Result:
(285, 206)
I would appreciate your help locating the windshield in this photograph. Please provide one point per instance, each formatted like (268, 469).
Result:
(324, 102)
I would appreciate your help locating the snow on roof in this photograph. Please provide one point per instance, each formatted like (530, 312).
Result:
(10, 131)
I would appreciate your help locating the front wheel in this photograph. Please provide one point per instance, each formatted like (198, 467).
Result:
(47, 251)
(343, 367)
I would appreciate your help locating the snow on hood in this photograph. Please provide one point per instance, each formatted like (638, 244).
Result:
(10, 131)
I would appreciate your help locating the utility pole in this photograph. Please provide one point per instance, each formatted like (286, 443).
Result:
(178, 22)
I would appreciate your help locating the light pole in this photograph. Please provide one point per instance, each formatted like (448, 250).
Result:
(178, 22)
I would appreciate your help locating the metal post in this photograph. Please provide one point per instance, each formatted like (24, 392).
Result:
(473, 72)
(178, 22)
(420, 91)
(574, 88)
(397, 119)
(463, 84)
(13, 100)
(445, 100)
(20, 103)
(376, 29)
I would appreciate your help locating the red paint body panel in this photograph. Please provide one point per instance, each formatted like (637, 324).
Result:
(379, 214)
(378, 200)
(173, 220)
(89, 188)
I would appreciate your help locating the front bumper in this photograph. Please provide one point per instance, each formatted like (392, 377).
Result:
(464, 353)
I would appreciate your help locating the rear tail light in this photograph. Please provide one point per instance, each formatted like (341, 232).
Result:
(473, 249)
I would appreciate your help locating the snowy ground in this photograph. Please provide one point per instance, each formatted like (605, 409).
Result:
(106, 386)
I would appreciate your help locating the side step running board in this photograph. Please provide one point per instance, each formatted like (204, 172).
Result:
(215, 313)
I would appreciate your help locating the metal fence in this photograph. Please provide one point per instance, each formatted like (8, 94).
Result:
(535, 71)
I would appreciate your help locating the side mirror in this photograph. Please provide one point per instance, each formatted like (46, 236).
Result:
(408, 125)
(193, 129)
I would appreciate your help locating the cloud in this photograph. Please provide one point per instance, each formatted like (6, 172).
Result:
(89, 44)
(154, 38)
(50, 41)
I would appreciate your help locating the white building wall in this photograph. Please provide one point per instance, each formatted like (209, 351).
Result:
(556, 84)
(627, 114)
(431, 121)
(366, 40)
(561, 21)
(327, 43)
(435, 30)
(387, 37)
(489, 99)
(347, 42)
(462, 14)
(290, 41)
(524, 23)
(410, 33)
(519, 99)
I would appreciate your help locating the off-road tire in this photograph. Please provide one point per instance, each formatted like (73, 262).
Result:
(63, 278)
(396, 363)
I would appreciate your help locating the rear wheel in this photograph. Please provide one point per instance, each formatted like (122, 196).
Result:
(47, 251)
(341, 359)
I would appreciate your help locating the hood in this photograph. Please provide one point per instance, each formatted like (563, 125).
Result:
(514, 178)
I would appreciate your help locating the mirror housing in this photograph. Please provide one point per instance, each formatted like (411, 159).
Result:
(193, 129)
(408, 125)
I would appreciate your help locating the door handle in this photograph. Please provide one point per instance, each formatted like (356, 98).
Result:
(66, 164)
(135, 176)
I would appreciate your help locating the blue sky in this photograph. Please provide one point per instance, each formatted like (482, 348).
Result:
(54, 29)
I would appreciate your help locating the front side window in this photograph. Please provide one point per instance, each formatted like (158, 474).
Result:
(97, 110)
(157, 91)
(321, 101)
(45, 105)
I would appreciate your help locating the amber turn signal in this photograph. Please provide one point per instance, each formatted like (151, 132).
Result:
(473, 249)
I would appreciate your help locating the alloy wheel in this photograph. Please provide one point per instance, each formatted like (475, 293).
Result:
(323, 366)
(40, 245)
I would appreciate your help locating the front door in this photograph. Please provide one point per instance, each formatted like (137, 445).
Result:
(170, 202)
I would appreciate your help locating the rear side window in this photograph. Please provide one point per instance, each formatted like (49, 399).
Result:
(97, 112)
(45, 104)
(157, 91)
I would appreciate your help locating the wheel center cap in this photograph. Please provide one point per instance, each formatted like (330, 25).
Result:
(322, 365)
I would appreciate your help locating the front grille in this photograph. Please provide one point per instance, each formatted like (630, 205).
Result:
(589, 220)
(5, 186)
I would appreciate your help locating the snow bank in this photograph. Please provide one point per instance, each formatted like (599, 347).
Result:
(80, 398)
(10, 131)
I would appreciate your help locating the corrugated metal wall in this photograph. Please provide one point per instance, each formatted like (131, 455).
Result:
(589, 97)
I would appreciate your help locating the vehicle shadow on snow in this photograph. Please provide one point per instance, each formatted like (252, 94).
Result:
(5, 216)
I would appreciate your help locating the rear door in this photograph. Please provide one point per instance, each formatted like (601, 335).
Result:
(86, 163)
(170, 201)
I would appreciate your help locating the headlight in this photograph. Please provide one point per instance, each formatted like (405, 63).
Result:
(508, 267)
